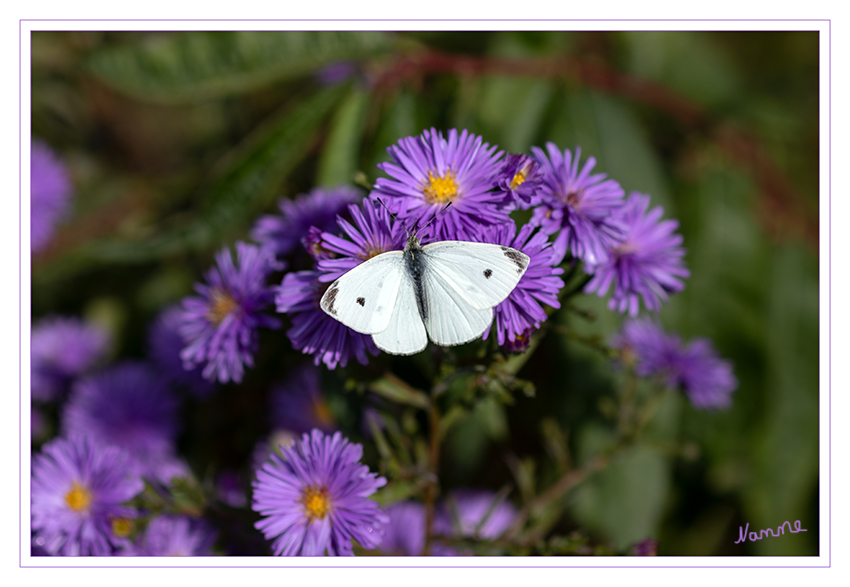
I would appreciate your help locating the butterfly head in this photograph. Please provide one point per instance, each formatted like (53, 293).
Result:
(412, 241)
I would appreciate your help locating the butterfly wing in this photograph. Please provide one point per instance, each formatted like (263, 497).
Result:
(482, 274)
(449, 319)
(405, 334)
(364, 298)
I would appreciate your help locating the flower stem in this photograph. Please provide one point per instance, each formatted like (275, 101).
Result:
(433, 467)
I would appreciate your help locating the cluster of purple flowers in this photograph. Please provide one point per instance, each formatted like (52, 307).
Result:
(460, 188)
(616, 239)
(81, 489)
(314, 499)
(119, 425)
(464, 514)
(118, 429)
(695, 368)
(131, 406)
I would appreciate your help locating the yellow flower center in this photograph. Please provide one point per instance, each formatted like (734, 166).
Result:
(222, 305)
(517, 180)
(316, 502)
(122, 527)
(316, 249)
(371, 252)
(79, 498)
(441, 189)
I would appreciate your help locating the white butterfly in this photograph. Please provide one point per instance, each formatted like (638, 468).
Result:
(447, 289)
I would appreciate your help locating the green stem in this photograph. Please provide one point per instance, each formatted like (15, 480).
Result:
(433, 468)
(560, 488)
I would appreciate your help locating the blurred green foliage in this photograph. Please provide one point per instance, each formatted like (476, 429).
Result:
(178, 141)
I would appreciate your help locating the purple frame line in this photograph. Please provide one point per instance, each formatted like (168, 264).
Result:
(423, 567)
(20, 294)
(427, 20)
(829, 299)
(829, 278)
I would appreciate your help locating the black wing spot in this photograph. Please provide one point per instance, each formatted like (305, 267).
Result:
(516, 257)
(361, 301)
(331, 298)
(488, 273)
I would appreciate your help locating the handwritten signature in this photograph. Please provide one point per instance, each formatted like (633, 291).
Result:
(767, 532)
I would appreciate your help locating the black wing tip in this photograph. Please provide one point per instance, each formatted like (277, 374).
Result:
(329, 298)
(519, 258)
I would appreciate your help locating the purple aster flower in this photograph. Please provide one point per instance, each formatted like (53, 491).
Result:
(131, 406)
(164, 347)
(298, 404)
(583, 207)
(315, 498)
(475, 514)
(520, 180)
(314, 242)
(313, 332)
(405, 531)
(429, 171)
(78, 488)
(521, 313)
(372, 231)
(220, 326)
(62, 349)
(50, 192)
(319, 208)
(176, 536)
(648, 264)
(694, 369)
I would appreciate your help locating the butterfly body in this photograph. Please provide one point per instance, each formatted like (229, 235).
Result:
(414, 261)
(444, 291)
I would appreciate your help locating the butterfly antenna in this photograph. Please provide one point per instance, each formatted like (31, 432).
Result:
(380, 201)
(435, 216)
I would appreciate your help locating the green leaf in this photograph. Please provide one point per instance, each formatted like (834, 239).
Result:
(396, 491)
(624, 502)
(342, 149)
(245, 186)
(786, 453)
(689, 62)
(399, 119)
(195, 66)
(514, 108)
(397, 391)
